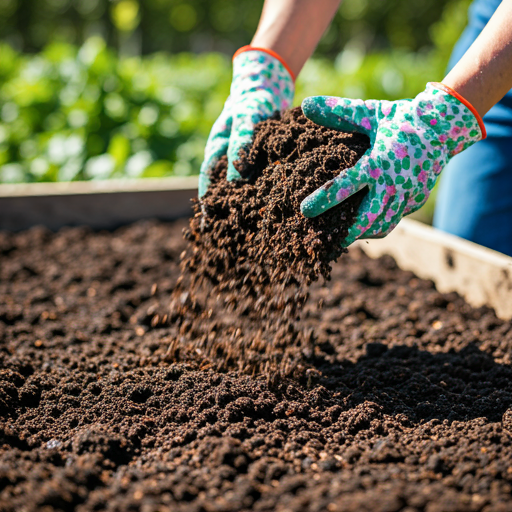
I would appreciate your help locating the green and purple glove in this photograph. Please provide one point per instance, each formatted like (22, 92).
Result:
(262, 84)
(410, 143)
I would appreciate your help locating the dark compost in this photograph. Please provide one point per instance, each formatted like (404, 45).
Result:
(380, 394)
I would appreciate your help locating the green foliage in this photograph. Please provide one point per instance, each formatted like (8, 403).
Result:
(72, 113)
(206, 25)
(81, 113)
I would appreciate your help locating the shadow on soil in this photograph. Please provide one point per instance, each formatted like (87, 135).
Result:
(450, 386)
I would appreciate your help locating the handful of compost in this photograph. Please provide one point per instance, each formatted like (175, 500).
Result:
(249, 237)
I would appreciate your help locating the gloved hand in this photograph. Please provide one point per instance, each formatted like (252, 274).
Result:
(262, 85)
(411, 141)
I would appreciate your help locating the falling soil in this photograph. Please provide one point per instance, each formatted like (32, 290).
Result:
(404, 401)
(252, 255)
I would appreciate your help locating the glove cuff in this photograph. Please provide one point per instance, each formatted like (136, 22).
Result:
(449, 122)
(272, 53)
(465, 102)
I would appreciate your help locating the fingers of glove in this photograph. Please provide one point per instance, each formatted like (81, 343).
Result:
(336, 190)
(203, 183)
(216, 147)
(341, 113)
(371, 211)
(377, 232)
(415, 205)
(242, 133)
(395, 213)
(239, 140)
(391, 215)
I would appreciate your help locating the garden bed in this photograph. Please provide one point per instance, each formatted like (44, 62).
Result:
(402, 401)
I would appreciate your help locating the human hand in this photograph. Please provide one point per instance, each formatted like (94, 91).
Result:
(410, 143)
(261, 85)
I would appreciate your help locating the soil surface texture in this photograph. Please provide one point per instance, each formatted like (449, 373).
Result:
(400, 397)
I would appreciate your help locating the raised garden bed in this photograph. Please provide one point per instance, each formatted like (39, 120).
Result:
(97, 204)
(402, 402)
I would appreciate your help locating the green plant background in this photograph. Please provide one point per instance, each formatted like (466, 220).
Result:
(77, 106)
(148, 26)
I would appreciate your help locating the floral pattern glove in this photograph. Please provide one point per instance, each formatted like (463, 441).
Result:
(262, 85)
(410, 143)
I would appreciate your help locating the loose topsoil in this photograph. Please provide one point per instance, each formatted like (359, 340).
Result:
(404, 402)
(141, 371)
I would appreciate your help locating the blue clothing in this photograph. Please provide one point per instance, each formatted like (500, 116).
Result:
(475, 191)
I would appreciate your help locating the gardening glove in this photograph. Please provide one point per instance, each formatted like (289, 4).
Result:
(262, 84)
(410, 143)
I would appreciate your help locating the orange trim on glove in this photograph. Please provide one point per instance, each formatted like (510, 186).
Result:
(248, 48)
(455, 94)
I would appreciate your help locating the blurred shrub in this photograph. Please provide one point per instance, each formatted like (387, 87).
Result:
(72, 113)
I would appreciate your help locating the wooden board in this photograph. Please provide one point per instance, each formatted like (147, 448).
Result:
(482, 276)
(99, 204)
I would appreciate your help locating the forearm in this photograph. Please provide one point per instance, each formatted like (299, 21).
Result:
(484, 74)
(293, 28)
